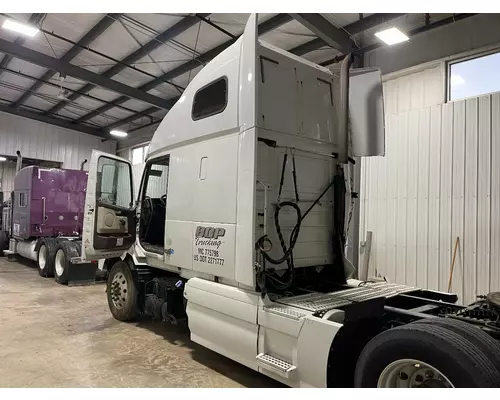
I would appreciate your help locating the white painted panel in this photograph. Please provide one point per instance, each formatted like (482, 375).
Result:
(381, 207)
(484, 196)
(362, 205)
(7, 173)
(392, 193)
(404, 95)
(438, 181)
(391, 97)
(402, 167)
(372, 267)
(470, 221)
(417, 90)
(412, 182)
(215, 180)
(423, 196)
(434, 199)
(495, 193)
(414, 91)
(458, 192)
(46, 142)
(445, 240)
(275, 97)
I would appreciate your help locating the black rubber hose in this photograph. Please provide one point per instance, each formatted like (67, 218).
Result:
(293, 236)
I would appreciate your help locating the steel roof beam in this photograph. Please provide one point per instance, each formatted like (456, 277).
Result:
(88, 38)
(131, 118)
(264, 27)
(412, 33)
(354, 28)
(56, 86)
(53, 121)
(321, 27)
(43, 60)
(34, 20)
(370, 22)
(141, 52)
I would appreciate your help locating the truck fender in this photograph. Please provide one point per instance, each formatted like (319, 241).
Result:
(313, 347)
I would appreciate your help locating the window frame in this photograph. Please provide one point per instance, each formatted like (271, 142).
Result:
(146, 174)
(224, 78)
(460, 60)
(23, 195)
(99, 187)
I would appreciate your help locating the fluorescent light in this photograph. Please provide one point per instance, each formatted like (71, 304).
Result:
(456, 80)
(20, 28)
(3, 159)
(392, 36)
(118, 133)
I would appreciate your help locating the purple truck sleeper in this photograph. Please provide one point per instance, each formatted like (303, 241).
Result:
(48, 202)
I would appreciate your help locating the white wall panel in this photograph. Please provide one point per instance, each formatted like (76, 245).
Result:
(470, 218)
(457, 194)
(438, 181)
(402, 164)
(495, 193)
(45, 142)
(414, 91)
(7, 173)
(423, 198)
(392, 192)
(484, 195)
(445, 239)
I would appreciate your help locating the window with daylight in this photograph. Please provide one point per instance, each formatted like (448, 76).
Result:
(474, 76)
(210, 100)
(139, 154)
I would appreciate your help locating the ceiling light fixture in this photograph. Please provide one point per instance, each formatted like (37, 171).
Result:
(20, 28)
(392, 36)
(118, 133)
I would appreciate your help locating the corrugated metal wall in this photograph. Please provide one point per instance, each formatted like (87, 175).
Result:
(46, 142)
(438, 181)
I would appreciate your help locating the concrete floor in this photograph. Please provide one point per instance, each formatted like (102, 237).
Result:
(58, 336)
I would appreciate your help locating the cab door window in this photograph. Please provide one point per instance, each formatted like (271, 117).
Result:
(154, 205)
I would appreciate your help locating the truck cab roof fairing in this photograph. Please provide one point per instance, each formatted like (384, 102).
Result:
(178, 126)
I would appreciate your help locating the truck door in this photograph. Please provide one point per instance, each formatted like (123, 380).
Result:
(109, 217)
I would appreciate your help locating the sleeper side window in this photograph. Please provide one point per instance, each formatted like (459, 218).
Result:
(22, 199)
(210, 100)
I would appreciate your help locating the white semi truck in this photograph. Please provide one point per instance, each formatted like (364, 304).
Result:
(240, 227)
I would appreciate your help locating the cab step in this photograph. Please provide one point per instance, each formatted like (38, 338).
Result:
(276, 365)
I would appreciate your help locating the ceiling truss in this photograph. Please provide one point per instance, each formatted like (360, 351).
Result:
(327, 35)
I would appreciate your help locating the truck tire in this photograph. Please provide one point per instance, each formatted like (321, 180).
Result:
(4, 242)
(488, 346)
(122, 292)
(45, 257)
(65, 250)
(424, 355)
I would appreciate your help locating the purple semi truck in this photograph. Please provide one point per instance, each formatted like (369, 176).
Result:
(44, 222)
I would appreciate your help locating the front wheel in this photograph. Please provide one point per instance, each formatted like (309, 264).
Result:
(424, 356)
(122, 292)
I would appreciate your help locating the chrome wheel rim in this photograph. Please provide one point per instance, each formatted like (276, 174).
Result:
(42, 256)
(410, 373)
(118, 290)
(59, 262)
